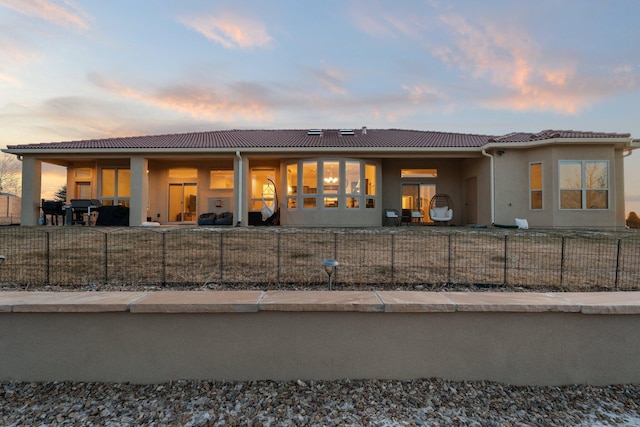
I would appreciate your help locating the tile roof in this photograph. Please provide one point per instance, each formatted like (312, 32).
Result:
(551, 134)
(329, 138)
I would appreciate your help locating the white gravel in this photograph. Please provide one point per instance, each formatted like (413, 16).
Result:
(431, 402)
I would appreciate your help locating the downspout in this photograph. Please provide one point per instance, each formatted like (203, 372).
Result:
(492, 180)
(240, 188)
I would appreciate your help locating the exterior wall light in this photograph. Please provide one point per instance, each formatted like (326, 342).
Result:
(2, 258)
(330, 267)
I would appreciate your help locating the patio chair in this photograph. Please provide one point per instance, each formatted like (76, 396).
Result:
(406, 216)
(417, 215)
(391, 215)
(441, 209)
(53, 208)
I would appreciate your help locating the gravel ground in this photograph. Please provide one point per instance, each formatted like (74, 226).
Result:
(430, 402)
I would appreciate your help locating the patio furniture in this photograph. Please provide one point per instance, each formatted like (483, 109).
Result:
(82, 207)
(406, 216)
(417, 215)
(54, 209)
(441, 209)
(391, 215)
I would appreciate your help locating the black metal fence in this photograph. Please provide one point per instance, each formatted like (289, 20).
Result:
(378, 258)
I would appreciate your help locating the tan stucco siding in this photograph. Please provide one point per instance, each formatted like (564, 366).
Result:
(512, 187)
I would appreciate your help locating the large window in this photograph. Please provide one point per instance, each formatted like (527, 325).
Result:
(584, 184)
(309, 184)
(115, 186)
(292, 186)
(535, 185)
(221, 179)
(337, 184)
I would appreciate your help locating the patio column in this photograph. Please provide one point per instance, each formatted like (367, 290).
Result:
(240, 194)
(31, 189)
(139, 198)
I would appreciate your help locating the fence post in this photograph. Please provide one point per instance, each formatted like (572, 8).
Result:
(618, 263)
(164, 258)
(393, 257)
(504, 278)
(221, 256)
(449, 247)
(562, 262)
(106, 259)
(278, 257)
(48, 252)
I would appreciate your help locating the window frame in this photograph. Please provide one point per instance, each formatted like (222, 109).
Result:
(341, 199)
(540, 190)
(116, 199)
(584, 189)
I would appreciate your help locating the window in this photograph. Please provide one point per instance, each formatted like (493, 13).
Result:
(370, 186)
(83, 173)
(352, 183)
(584, 184)
(309, 183)
(183, 173)
(418, 173)
(83, 190)
(535, 186)
(115, 186)
(221, 179)
(331, 184)
(292, 186)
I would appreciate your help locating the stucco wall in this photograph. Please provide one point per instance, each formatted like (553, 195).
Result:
(533, 339)
(512, 187)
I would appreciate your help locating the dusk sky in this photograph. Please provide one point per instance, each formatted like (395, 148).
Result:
(89, 69)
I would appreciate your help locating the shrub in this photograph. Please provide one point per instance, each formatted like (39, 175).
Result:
(633, 221)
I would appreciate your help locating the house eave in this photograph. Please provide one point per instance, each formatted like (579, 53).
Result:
(623, 142)
(232, 150)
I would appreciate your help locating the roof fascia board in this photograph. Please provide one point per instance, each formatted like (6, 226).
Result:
(151, 151)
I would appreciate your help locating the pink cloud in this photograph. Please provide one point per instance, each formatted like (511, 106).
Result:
(513, 63)
(230, 30)
(202, 103)
(69, 16)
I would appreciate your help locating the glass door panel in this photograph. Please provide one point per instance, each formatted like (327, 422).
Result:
(182, 202)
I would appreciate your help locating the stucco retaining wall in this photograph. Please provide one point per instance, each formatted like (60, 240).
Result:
(517, 338)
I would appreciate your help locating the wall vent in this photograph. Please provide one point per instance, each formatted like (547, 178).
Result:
(314, 132)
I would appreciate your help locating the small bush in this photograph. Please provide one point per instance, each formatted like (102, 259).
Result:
(633, 221)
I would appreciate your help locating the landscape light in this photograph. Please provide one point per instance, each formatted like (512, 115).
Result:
(330, 267)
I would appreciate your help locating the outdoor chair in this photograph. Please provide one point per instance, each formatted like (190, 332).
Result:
(391, 215)
(441, 209)
(406, 216)
(54, 209)
(417, 215)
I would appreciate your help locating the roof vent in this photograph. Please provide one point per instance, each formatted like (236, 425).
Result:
(364, 130)
(314, 132)
(345, 132)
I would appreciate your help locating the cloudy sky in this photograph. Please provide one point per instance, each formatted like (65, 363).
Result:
(94, 68)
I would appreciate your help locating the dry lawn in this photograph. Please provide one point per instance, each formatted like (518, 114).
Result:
(108, 258)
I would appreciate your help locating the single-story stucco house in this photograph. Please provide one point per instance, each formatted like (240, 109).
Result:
(342, 177)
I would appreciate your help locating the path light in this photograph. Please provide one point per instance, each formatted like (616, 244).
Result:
(330, 267)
